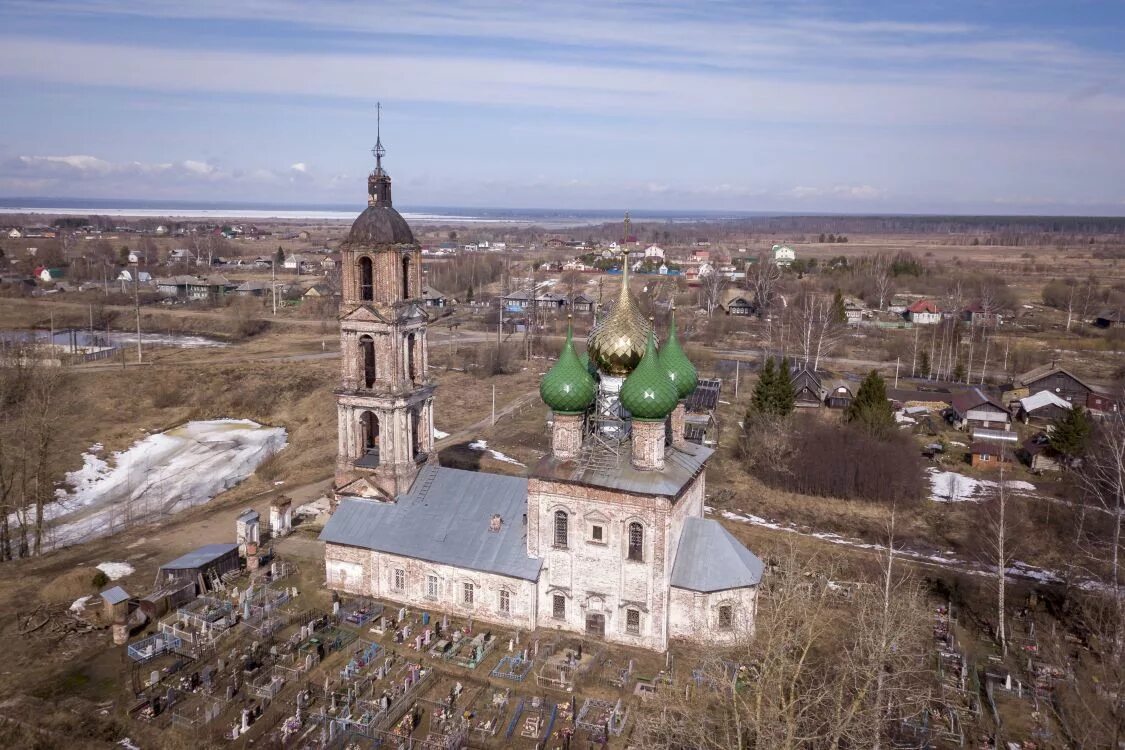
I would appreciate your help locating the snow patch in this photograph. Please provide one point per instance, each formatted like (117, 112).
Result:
(313, 509)
(158, 475)
(951, 487)
(115, 570)
(481, 446)
(80, 604)
(439, 434)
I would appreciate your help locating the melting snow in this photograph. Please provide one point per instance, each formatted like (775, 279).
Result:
(315, 508)
(481, 446)
(159, 474)
(951, 487)
(438, 434)
(115, 570)
(80, 604)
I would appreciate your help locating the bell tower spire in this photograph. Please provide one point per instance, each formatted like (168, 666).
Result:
(379, 182)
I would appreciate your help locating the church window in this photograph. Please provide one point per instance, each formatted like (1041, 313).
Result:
(558, 609)
(410, 354)
(400, 579)
(366, 280)
(636, 541)
(726, 617)
(367, 349)
(632, 622)
(370, 425)
(505, 601)
(432, 587)
(597, 533)
(467, 593)
(406, 277)
(561, 528)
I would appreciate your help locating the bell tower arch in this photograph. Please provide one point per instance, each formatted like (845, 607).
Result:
(385, 399)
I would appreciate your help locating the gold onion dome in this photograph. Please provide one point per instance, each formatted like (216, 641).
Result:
(647, 393)
(617, 343)
(674, 362)
(568, 387)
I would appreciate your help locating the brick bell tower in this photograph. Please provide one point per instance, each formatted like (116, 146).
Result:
(385, 399)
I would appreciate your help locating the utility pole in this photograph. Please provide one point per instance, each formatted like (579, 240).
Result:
(736, 378)
(494, 404)
(914, 358)
(273, 284)
(897, 360)
(137, 307)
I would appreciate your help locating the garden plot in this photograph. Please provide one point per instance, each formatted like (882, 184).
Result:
(161, 474)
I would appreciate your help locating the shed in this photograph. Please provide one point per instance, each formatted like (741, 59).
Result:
(200, 565)
(840, 394)
(987, 454)
(1043, 406)
(974, 408)
(116, 601)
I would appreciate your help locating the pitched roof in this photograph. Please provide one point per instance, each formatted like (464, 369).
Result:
(197, 558)
(115, 595)
(444, 519)
(709, 558)
(1043, 371)
(971, 399)
(1043, 398)
(681, 464)
(924, 306)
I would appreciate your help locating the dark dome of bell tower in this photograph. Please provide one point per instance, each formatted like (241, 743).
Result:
(380, 223)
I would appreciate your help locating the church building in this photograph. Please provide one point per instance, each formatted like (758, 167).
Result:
(606, 537)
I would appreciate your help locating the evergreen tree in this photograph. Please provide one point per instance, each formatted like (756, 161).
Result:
(839, 314)
(959, 372)
(870, 408)
(762, 400)
(1070, 434)
(784, 400)
(923, 364)
(279, 258)
(469, 294)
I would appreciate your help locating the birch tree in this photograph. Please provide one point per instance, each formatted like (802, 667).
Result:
(761, 281)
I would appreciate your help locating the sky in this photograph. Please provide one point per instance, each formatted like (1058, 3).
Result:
(854, 107)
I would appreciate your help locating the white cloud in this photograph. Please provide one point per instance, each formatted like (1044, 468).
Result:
(198, 167)
(299, 167)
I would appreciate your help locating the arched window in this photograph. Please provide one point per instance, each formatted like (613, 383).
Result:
(410, 346)
(370, 425)
(561, 528)
(366, 280)
(367, 353)
(406, 277)
(415, 433)
(636, 541)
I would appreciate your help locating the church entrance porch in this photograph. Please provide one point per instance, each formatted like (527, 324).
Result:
(595, 624)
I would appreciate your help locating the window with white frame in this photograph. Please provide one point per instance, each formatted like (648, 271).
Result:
(505, 601)
(432, 587)
(726, 616)
(467, 592)
(399, 582)
(558, 609)
(633, 622)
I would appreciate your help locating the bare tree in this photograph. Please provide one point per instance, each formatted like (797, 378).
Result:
(761, 281)
(882, 278)
(819, 330)
(711, 286)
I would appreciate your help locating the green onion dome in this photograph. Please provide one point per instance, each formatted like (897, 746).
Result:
(584, 358)
(674, 362)
(647, 393)
(568, 387)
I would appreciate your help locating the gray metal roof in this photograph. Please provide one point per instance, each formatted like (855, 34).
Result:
(197, 558)
(709, 558)
(444, 519)
(681, 463)
(115, 595)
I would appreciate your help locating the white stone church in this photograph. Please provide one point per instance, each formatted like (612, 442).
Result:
(605, 538)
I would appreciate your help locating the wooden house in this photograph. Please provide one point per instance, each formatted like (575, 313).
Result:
(839, 394)
(1057, 380)
(1037, 454)
(1110, 319)
(808, 390)
(984, 453)
(738, 305)
(974, 408)
(583, 304)
(1042, 407)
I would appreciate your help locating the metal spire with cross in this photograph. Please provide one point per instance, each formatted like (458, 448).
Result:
(378, 151)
